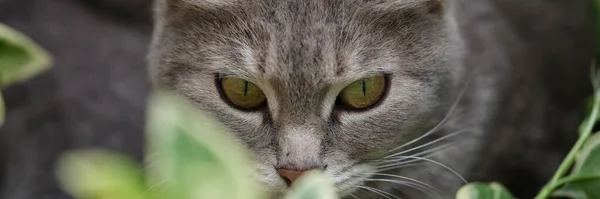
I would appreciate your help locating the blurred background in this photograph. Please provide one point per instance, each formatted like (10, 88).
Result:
(95, 94)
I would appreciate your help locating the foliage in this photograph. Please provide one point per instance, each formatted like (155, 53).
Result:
(584, 180)
(20, 60)
(190, 157)
(481, 190)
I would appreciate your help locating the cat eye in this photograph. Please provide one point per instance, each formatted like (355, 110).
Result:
(241, 93)
(363, 93)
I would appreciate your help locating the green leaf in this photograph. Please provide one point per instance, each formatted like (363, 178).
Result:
(192, 157)
(583, 126)
(313, 185)
(588, 158)
(589, 104)
(20, 58)
(566, 193)
(99, 174)
(483, 191)
(587, 165)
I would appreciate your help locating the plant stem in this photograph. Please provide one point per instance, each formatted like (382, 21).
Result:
(569, 179)
(570, 159)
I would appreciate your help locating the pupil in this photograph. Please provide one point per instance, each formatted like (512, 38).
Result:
(245, 88)
(364, 87)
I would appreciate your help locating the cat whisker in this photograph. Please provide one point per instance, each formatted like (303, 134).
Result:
(379, 192)
(446, 117)
(456, 133)
(151, 160)
(433, 149)
(441, 165)
(339, 190)
(400, 190)
(419, 187)
(405, 180)
(363, 192)
(156, 185)
(399, 166)
(396, 161)
(352, 195)
(399, 161)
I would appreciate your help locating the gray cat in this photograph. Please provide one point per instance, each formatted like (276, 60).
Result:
(526, 101)
(378, 94)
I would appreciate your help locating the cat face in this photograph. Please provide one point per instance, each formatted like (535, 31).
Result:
(315, 84)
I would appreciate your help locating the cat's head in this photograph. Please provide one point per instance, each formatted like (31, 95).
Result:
(312, 84)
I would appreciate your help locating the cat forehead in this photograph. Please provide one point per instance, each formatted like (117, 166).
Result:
(300, 13)
(309, 40)
(296, 6)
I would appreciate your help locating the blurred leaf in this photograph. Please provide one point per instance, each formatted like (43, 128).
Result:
(193, 157)
(587, 165)
(99, 174)
(20, 57)
(565, 193)
(589, 105)
(583, 125)
(588, 158)
(313, 185)
(483, 191)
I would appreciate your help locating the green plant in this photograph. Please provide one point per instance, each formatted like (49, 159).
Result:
(190, 156)
(583, 182)
(20, 60)
(583, 160)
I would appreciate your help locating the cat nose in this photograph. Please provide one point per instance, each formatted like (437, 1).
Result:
(290, 176)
